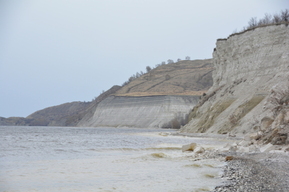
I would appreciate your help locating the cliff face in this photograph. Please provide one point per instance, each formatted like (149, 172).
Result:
(87, 114)
(253, 54)
(142, 112)
(161, 98)
(248, 67)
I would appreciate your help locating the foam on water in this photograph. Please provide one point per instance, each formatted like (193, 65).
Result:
(101, 159)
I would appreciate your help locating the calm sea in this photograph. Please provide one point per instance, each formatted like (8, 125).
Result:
(66, 159)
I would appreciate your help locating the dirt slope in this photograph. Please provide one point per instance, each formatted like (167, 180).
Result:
(182, 78)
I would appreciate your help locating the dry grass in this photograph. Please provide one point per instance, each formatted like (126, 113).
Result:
(140, 94)
(252, 29)
(207, 119)
(185, 78)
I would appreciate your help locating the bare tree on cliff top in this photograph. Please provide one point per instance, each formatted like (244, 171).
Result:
(285, 15)
(170, 61)
(252, 22)
(148, 68)
(266, 20)
(276, 18)
(269, 19)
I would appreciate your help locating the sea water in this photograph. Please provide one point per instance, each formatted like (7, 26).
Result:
(102, 159)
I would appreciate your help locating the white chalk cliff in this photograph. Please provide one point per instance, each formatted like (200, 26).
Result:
(160, 98)
(163, 111)
(250, 83)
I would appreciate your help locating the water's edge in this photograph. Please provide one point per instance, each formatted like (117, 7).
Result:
(104, 159)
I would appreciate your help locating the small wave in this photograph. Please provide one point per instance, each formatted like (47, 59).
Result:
(120, 149)
(163, 148)
(24, 147)
(194, 165)
(128, 149)
(67, 150)
(141, 149)
(208, 175)
(202, 189)
(61, 150)
(159, 155)
(209, 165)
(92, 149)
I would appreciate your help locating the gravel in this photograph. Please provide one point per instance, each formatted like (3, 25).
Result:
(264, 172)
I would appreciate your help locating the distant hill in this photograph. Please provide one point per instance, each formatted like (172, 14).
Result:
(14, 121)
(66, 114)
(181, 78)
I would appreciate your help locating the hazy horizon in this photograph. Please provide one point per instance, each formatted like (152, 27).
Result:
(54, 52)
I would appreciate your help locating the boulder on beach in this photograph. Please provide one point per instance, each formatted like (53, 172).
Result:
(189, 147)
(199, 149)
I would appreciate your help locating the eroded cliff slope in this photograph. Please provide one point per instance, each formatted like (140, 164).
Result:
(249, 68)
(142, 112)
(161, 98)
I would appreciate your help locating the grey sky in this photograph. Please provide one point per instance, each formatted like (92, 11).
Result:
(57, 51)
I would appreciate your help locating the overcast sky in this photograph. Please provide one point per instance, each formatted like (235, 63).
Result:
(58, 51)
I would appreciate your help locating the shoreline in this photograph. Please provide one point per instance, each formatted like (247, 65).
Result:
(266, 172)
(208, 135)
(249, 167)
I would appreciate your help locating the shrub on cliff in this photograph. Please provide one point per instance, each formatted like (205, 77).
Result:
(148, 68)
(168, 77)
(282, 17)
(285, 15)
